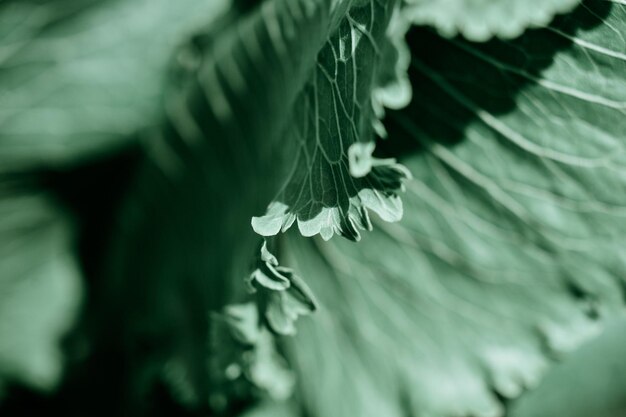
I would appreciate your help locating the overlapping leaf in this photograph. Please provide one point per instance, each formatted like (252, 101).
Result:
(282, 296)
(480, 20)
(241, 357)
(78, 79)
(511, 248)
(217, 135)
(334, 180)
(183, 235)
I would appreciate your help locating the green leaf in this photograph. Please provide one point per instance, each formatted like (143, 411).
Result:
(284, 307)
(80, 78)
(214, 163)
(180, 236)
(333, 179)
(589, 382)
(510, 251)
(268, 274)
(241, 358)
(479, 20)
(40, 289)
(281, 294)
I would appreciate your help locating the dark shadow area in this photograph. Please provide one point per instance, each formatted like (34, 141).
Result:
(111, 360)
(244, 6)
(442, 65)
(68, 402)
(92, 191)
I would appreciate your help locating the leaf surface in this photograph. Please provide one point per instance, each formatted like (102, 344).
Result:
(80, 78)
(511, 248)
(40, 289)
(600, 390)
(333, 179)
(182, 232)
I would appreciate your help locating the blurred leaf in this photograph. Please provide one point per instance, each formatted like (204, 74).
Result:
(511, 247)
(40, 289)
(182, 241)
(80, 77)
(272, 409)
(479, 20)
(591, 382)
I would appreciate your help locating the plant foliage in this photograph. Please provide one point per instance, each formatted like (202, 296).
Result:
(461, 161)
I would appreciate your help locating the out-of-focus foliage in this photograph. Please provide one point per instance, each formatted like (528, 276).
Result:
(138, 140)
(40, 288)
(590, 382)
(81, 77)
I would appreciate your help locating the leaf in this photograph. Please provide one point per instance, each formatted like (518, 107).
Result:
(80, 78)
(252, 355)
(281, 294)
(176, 249)
(479, 20)
(241, 358)
(510, 252)
(210, 167)
(284, 307)
(268, 274)
(40, 289)
(599, 392)
(333, 179)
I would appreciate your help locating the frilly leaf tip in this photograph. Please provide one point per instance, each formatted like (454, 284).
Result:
(266, 255)
(273, 221)
(347, 222)
(480, 23)
(281, 295)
